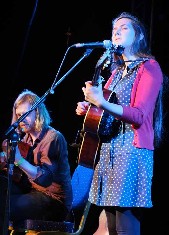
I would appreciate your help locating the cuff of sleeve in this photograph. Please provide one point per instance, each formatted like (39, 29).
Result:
(40, 172)
(19, 162)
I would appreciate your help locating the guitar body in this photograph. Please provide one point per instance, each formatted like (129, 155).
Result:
(91, 137)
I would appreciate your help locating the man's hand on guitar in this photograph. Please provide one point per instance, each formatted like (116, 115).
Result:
(3, 156)
(3, 159)
(82, 107)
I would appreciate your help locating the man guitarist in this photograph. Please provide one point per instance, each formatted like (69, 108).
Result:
(43, 188)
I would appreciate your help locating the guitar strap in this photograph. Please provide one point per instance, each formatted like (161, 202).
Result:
(110, 80)
(135, 63)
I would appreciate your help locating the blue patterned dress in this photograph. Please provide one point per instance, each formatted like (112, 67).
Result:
(123, 175)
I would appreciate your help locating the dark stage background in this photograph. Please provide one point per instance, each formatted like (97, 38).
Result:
(33, 41)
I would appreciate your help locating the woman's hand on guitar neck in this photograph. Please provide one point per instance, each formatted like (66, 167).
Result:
(82, 107)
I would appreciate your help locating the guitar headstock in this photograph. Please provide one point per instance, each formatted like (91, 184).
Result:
(104, 60)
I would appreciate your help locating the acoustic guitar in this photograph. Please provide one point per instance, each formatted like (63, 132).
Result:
(90, 142)
(17, 172)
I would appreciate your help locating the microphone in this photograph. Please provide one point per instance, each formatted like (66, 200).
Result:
(105, 44)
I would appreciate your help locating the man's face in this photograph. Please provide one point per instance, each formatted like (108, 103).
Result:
(27, 124)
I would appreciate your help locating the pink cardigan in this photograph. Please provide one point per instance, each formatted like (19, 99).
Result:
(143, 98)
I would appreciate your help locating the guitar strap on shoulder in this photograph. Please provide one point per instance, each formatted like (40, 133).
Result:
(110, 80)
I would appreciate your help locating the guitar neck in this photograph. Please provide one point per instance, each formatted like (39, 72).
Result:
(97, 78)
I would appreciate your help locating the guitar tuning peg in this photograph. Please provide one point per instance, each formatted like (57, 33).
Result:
(107, 62)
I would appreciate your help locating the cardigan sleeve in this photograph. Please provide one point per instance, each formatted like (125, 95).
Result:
(144, 93)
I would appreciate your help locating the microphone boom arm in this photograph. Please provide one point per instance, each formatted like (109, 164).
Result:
(43, 98)
(87, 53)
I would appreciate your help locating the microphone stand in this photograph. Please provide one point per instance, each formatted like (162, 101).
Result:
(13, 138)
(11, 149)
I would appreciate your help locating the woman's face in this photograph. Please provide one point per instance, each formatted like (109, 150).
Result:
(123, 33)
